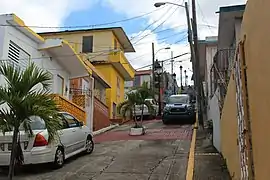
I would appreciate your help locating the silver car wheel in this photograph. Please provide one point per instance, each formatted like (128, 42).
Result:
(89, 146)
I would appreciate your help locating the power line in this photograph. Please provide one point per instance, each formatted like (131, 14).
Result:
(84, 26)
(156, 27)
(164, 60)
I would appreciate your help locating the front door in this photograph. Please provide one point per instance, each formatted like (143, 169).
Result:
(60, 85)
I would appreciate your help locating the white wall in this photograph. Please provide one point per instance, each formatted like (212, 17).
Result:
(210, 53)
(214, 115)
(30, 46)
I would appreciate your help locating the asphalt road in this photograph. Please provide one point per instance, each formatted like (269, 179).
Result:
(161, 154)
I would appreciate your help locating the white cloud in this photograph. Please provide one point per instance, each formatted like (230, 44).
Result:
(207, 20)
(43, 12)
(143, 55)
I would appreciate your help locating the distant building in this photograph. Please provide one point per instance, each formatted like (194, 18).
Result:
(140, 77)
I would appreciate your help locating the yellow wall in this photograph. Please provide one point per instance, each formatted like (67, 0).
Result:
(111, 76)
(255, 27)
(229, 130)
(103, 41)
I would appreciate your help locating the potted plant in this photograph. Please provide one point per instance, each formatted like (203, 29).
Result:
(134, 98)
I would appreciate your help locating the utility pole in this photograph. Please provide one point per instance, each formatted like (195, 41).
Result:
(172, 60)
(190, 38)
(185, 72)
(153, 68)
(197, 64)
(181, 77)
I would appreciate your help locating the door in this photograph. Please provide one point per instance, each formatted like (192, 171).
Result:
(114, 110)
(60, 85)
(78, 136)
(65, 135)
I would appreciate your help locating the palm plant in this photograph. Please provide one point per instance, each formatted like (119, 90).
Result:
(144, 92)
(128, 106)
(25, 93)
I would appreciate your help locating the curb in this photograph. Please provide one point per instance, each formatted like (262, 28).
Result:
(105, 129)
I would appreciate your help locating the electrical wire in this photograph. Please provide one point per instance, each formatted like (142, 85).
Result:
(155, 27)
(149, 65)
(84, 26)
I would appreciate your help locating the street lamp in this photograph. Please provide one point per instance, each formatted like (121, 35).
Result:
(162, 49)
(158, 4)
(158, 71)
(181, 77)
(174, 80)
(185, 72)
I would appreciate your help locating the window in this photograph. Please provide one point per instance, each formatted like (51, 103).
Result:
(36, 123)
(18, 57)
(178, 99)
(118, 86)
(87, 46)
(72, 122)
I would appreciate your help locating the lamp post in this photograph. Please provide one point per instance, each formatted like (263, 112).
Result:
(185, 72)
(181, 77)
(158, 4)
(158, 71)
(174, 80)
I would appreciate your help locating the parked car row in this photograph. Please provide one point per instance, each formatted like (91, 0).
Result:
(72, 139)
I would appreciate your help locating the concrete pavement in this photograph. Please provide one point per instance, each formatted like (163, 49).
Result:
(208, 162)
(161, 154)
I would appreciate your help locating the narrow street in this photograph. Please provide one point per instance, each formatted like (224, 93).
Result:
(159, 155)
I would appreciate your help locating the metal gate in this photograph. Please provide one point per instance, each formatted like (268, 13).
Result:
(242, 141)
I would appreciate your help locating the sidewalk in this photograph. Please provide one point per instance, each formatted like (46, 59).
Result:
(209, 165)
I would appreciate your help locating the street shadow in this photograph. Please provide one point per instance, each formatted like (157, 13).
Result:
(36, 169)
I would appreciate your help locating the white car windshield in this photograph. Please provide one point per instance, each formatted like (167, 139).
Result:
(36, 124)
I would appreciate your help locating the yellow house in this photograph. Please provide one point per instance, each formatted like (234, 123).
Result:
(104, 48)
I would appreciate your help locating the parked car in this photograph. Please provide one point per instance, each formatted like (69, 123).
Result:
(73, 138)
(146, 113)
(179, 108)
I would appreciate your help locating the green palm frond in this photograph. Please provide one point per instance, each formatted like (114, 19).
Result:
(25, 94)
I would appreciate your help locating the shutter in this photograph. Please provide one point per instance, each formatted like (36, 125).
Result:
(18, 57)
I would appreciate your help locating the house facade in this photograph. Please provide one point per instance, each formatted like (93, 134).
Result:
(19, 45)
(105, 48)
(220, 74)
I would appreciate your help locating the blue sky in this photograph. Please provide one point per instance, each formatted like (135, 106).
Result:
(99, 14)
(52, 13)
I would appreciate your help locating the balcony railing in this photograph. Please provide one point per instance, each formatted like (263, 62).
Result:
(70, 107)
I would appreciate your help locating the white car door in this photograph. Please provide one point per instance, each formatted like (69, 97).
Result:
(78, 136)
(65, 135)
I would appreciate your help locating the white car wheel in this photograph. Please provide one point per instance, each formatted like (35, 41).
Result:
(89, 145)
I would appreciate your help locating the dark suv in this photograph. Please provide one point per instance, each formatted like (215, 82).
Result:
(179, 108)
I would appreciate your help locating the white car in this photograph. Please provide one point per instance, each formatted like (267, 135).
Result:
(73, 139)
(146, 113)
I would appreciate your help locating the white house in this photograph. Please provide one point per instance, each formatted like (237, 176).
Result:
(20, 45)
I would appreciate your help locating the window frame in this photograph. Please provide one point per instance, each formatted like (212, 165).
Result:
(85, 48)
(77, 122)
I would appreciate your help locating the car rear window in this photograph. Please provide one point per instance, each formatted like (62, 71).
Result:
(36, 123)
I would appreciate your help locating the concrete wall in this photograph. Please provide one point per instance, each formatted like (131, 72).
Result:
(39, 57)
(255, 27)
(210, 53)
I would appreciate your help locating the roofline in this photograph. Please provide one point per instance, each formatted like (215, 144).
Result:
(92, 30)
(232, 8)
